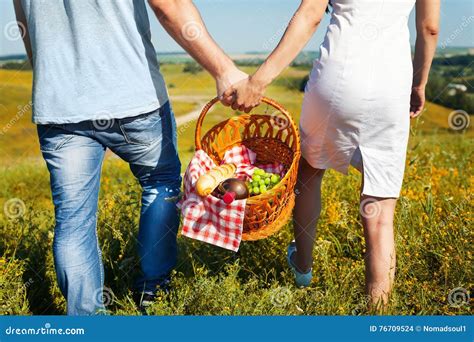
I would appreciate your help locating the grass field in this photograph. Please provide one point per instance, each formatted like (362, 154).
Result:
(433, 225)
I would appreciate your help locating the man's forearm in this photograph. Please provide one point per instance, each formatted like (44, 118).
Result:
(23, 26)
(182, 21)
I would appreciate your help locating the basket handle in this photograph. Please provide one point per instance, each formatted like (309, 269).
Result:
(211, 103)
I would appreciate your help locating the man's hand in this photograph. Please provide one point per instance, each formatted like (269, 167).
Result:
(417, 101)
(246, 94)
(225, 82)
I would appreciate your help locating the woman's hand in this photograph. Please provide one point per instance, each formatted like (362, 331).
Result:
(226, 80)
(417, 102)
(246, 94)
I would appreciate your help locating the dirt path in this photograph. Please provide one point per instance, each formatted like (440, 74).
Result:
(190, 98)
(191, 116)
(194, 114)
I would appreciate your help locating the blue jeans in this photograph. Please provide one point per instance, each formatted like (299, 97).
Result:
(74, 155)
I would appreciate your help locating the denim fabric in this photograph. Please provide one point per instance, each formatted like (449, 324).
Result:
(74, 155)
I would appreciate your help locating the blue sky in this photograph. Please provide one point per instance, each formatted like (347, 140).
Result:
(256, 25)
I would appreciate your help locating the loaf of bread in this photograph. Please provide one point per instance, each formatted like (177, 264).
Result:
(210, 180)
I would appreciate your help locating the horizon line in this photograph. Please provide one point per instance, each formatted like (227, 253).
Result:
(180, 52)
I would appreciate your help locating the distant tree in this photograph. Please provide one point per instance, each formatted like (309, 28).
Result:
(460, 60)
(437, 91)
(192, 68)
(249, 62)
(25, 65)
(303, 83)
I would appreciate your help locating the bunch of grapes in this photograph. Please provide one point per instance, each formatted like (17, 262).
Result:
(262, 181)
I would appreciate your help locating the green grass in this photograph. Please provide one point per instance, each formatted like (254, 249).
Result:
(433, 226)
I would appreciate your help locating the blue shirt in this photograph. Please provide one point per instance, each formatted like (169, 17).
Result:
(92, 59)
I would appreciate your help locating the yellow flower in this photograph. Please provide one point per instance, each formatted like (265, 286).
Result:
(333, 212)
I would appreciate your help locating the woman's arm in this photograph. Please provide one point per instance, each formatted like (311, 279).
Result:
(427, 28)
(248, 93)
(23, 27)
(182, 21)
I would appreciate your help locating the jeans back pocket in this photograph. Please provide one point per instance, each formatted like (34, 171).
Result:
(143, 129)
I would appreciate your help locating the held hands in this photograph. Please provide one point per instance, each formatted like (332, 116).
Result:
(226, 80)
(417, 101)
(245, 95)
(240, 91)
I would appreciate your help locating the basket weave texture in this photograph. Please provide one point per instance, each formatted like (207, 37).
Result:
(274, 137)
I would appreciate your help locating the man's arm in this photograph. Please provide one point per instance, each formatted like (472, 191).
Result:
(182, 21)
(427, 27)
(23, 27)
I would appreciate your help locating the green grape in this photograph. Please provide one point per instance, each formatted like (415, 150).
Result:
(256, 178)
(274, 179)
(256, 190)
(267, 181)
(263, 188)
(262, 182)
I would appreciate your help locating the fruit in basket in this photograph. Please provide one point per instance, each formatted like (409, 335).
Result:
(262, 181)
(232, 189)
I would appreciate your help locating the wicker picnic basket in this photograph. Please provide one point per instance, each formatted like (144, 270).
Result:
(274, 137)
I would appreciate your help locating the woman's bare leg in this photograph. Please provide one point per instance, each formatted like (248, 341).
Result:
(306, 214)
(377, 219)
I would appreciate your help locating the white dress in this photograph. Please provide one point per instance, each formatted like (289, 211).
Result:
(357, 100)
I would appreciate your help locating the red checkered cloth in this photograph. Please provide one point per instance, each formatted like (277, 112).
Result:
(209, 219)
